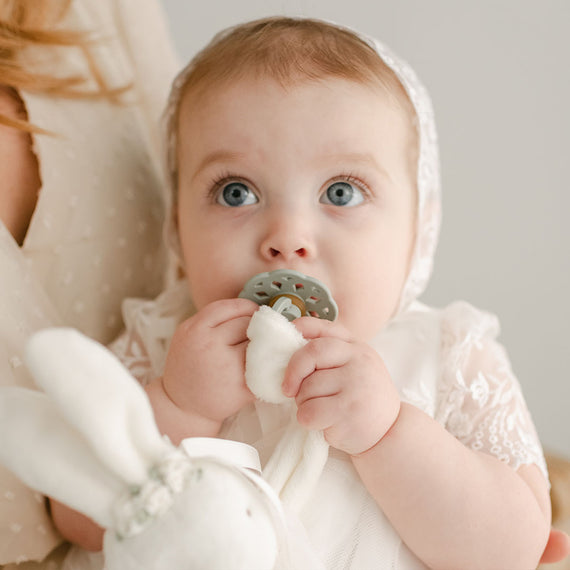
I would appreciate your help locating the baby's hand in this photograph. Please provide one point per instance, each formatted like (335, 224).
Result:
(204, 370)
(341, 387)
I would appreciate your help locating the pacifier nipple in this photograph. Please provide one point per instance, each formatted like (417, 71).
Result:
(292, 294)
(289, 305)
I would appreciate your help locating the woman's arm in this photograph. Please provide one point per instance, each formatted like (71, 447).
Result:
(453, 507)
(76, 527)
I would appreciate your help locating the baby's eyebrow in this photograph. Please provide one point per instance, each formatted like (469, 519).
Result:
(361, 158)
(221, 155)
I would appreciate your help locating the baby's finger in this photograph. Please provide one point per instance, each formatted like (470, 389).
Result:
(311, 327)
(319, 413)
(221, 311)
(318, 354)
(234, 331)
(319, 384)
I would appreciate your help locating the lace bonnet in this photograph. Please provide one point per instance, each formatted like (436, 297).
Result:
(428, 173)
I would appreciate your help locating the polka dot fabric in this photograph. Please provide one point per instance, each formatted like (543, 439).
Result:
(95, 236)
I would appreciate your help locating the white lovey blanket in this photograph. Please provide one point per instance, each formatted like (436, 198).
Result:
(300, 456)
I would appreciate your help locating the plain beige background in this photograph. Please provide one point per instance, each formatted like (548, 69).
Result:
(499, 76)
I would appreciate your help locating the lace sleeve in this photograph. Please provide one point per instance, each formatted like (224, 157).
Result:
(480, 401)
(150, 324)
(129, 349)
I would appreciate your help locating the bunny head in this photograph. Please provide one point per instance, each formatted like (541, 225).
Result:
(90, 441)
(220, 520)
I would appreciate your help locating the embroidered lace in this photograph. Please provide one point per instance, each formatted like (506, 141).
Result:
(480, 399)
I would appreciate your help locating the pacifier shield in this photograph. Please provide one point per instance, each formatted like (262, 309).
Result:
(291, 293)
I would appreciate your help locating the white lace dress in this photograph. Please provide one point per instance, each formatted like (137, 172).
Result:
(95, 237)
(446, 362)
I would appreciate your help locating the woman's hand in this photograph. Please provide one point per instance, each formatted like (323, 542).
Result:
(341, 387)
(557, 548)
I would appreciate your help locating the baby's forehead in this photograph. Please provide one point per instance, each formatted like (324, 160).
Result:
(245, 107)
(195, 97)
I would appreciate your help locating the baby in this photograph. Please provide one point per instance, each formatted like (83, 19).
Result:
(297, 144)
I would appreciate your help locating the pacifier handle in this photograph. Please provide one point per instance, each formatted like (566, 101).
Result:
(290, 308)
(292, 294)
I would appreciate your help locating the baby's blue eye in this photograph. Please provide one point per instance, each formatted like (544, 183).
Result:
(342, 194)
(236, 194)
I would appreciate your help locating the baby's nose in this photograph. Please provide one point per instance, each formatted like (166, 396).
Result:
(287, 241)
(284, 252)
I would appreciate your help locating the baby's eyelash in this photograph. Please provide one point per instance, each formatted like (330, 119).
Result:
(220, 180)
(227, 176)
(352, 178)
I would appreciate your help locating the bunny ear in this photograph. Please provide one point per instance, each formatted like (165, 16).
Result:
(47, 454)
(99, 397)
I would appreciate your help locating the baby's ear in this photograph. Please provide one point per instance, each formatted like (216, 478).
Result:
(48, 455)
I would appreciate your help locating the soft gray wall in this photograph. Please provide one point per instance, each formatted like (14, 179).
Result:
(499, 76)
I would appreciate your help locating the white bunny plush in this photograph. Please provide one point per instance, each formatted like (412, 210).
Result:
(90, 441)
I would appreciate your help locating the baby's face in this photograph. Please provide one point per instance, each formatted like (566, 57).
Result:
(314, 178)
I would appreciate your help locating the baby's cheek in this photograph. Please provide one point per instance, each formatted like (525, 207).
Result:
(207, 288)
(362, 321)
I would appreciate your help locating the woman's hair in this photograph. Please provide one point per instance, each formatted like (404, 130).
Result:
(35, 23)
(287, 50)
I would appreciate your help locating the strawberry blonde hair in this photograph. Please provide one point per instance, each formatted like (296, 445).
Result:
(35, 23)
(287, 50)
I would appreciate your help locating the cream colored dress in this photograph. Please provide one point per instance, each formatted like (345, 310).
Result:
(95, 237)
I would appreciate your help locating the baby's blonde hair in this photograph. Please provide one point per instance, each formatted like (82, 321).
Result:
(29, 23)
(287, 50)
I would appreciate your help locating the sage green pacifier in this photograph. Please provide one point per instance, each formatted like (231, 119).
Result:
(292, 294)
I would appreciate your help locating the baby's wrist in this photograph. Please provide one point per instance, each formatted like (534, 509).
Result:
(175, 421)
(386, 434)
